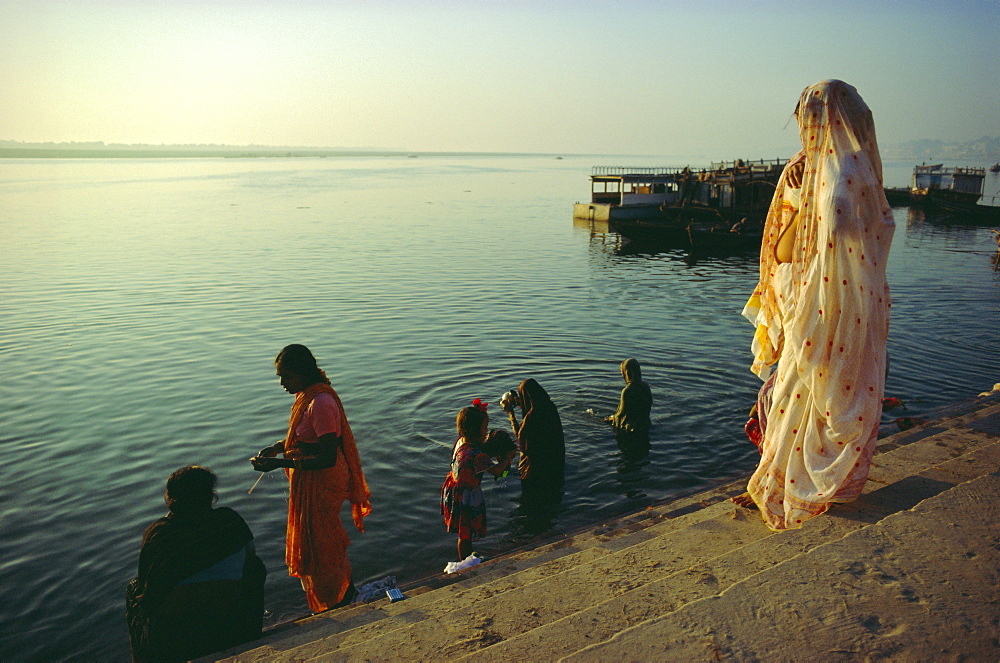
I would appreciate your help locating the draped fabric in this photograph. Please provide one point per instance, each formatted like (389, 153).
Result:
(757, 424)
(636, 400)
(540, 440)
(175, 615)
(823, 316)
(315, 541)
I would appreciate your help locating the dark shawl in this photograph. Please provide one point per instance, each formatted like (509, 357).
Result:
(636, 400)
(540, 438)
(168, 621)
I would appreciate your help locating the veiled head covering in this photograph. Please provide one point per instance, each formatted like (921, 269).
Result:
(540, 437)
(631, 371)
(825, 315)
(636, 400)
(845, 225)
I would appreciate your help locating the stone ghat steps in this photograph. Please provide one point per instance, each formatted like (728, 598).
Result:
(578, 593)
(539, 560)
(440, 593)
(920, 585)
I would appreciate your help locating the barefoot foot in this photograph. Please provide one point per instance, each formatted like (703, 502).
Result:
(744, 501)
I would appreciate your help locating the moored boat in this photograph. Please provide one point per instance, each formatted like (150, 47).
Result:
(957, 191)
(724, 204)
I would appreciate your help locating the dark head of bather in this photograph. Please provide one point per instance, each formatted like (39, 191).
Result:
(190, 489)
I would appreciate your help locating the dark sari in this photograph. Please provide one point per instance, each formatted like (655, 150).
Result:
(188, 600)
(540, 440)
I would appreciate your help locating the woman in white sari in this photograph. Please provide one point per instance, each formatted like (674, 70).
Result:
(821, 310)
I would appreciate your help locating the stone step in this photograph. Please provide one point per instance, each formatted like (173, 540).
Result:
(569, 549)
(514, 614)
(479, 617)
(623, 569)
(362, 623)
(920, 585)
(604, 620)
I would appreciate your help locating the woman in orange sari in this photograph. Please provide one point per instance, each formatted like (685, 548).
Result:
(821, 309)
(323, 468)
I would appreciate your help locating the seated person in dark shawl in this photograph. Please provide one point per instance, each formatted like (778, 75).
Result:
(635, 403)
(200, 586)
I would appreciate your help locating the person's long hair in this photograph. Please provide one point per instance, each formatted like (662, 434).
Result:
(300, 360)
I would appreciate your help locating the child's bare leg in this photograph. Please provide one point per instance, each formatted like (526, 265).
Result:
(464, 548)
(744, 501)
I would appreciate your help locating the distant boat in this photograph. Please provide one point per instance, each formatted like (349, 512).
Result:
(995, 168)
(958, 191)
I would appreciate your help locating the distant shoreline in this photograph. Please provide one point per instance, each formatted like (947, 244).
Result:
(175, 152)
(985, 150)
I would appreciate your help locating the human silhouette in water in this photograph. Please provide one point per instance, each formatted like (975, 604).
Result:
(631, 421)
(540, 441)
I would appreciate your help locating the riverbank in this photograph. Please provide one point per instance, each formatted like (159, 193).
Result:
(908, 571)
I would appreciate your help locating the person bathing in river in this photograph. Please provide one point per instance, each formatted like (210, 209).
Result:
(540, 441)
(636, 401)
(323, 468)
(821, 310)
(462, 504)
(631, 421)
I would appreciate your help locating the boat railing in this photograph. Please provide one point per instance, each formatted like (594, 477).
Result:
(747, 165)
(757, 166)
(597, 171)
(939, 169)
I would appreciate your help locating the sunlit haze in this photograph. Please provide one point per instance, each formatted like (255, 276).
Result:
(691, 78)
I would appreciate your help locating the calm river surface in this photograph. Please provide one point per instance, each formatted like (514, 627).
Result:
(142, 303)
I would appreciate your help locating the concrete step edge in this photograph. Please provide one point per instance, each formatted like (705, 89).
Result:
(861, 515)
(303, 631)
(458, 610)
(845, 519)
(655, 516)
(773, 569)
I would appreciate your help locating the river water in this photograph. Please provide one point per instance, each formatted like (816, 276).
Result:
(142, 303)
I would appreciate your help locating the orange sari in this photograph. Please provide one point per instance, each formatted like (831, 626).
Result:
(315, 541)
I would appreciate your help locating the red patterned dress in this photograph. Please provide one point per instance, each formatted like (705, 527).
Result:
(462, 503)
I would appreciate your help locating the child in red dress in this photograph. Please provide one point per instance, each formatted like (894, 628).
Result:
(462, 503)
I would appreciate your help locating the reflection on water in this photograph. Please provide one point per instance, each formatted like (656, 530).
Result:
(143, 302)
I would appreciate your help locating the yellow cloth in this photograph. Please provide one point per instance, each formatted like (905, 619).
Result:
(825, 314)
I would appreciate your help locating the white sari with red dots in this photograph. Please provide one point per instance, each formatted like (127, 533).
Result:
(824, 316)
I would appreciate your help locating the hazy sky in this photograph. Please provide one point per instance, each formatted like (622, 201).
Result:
(634, 77)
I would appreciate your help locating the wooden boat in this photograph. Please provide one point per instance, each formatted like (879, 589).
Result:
(956, 191)
(723, 205)
(900, 196)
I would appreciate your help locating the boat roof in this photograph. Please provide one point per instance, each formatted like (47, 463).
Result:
(672, 173)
